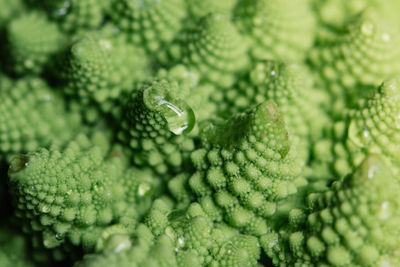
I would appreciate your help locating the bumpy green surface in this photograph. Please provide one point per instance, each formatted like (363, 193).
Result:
(278, 30)
(357, 60)
(74, 15)
(200, 239)
(32, 116)
(245, 165)
(215, 49)
(372, 127)
(73, 194)
(156, 120)
(13, 249)
(149, 23)
(144, 253)
(200, 8)
(355, 223)
(31, 41)
(289, 85)
(101, 70)
(180, 133)
(8, 9)
(175, 239)
(333, 15)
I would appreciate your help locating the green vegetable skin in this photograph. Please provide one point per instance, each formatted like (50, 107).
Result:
(178, 133)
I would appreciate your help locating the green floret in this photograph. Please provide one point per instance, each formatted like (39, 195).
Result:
(214, 48)
(8, 9)
(279, 30)
(155, 122)
(31, 41)
(358, 60)
(354, 223)
(72, 195)
(200, 8)
(5, 82)
(74, 15)
(99, 70)
(153, 254)
(289, 85)
(149, 23)
(178, 239)
(216, 133)
(245, 166)
(197, 237)
(333, 15)
(32, 116)
(371, 127)
(13, 249)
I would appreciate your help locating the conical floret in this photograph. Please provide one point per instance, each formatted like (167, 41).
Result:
(354, 223)
(73, 193)
(278, 30)
(358, 60)
(156, 119)
(150, 24)
(216, 50)
(31, 41)
(33, 116)
(200, 8)
(245, 166)
(73, 16)
(373, 126)
(100, 70)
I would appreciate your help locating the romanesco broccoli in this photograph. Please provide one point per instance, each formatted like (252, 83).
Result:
(174, 133)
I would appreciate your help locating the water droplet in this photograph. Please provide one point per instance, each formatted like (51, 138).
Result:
(63, 9)
(114, 242)
(371, 172)
(123, 245)
(360, 137)
(45, 209)
(144, 189)
(106, 44)
(366, 133)
(227, 248)
(180, 120)
(391, 87)
(367, 28)
(18, 163)
(181, 241)
(179, 116)
(386, 37)
(59, 236)
(384, 212)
